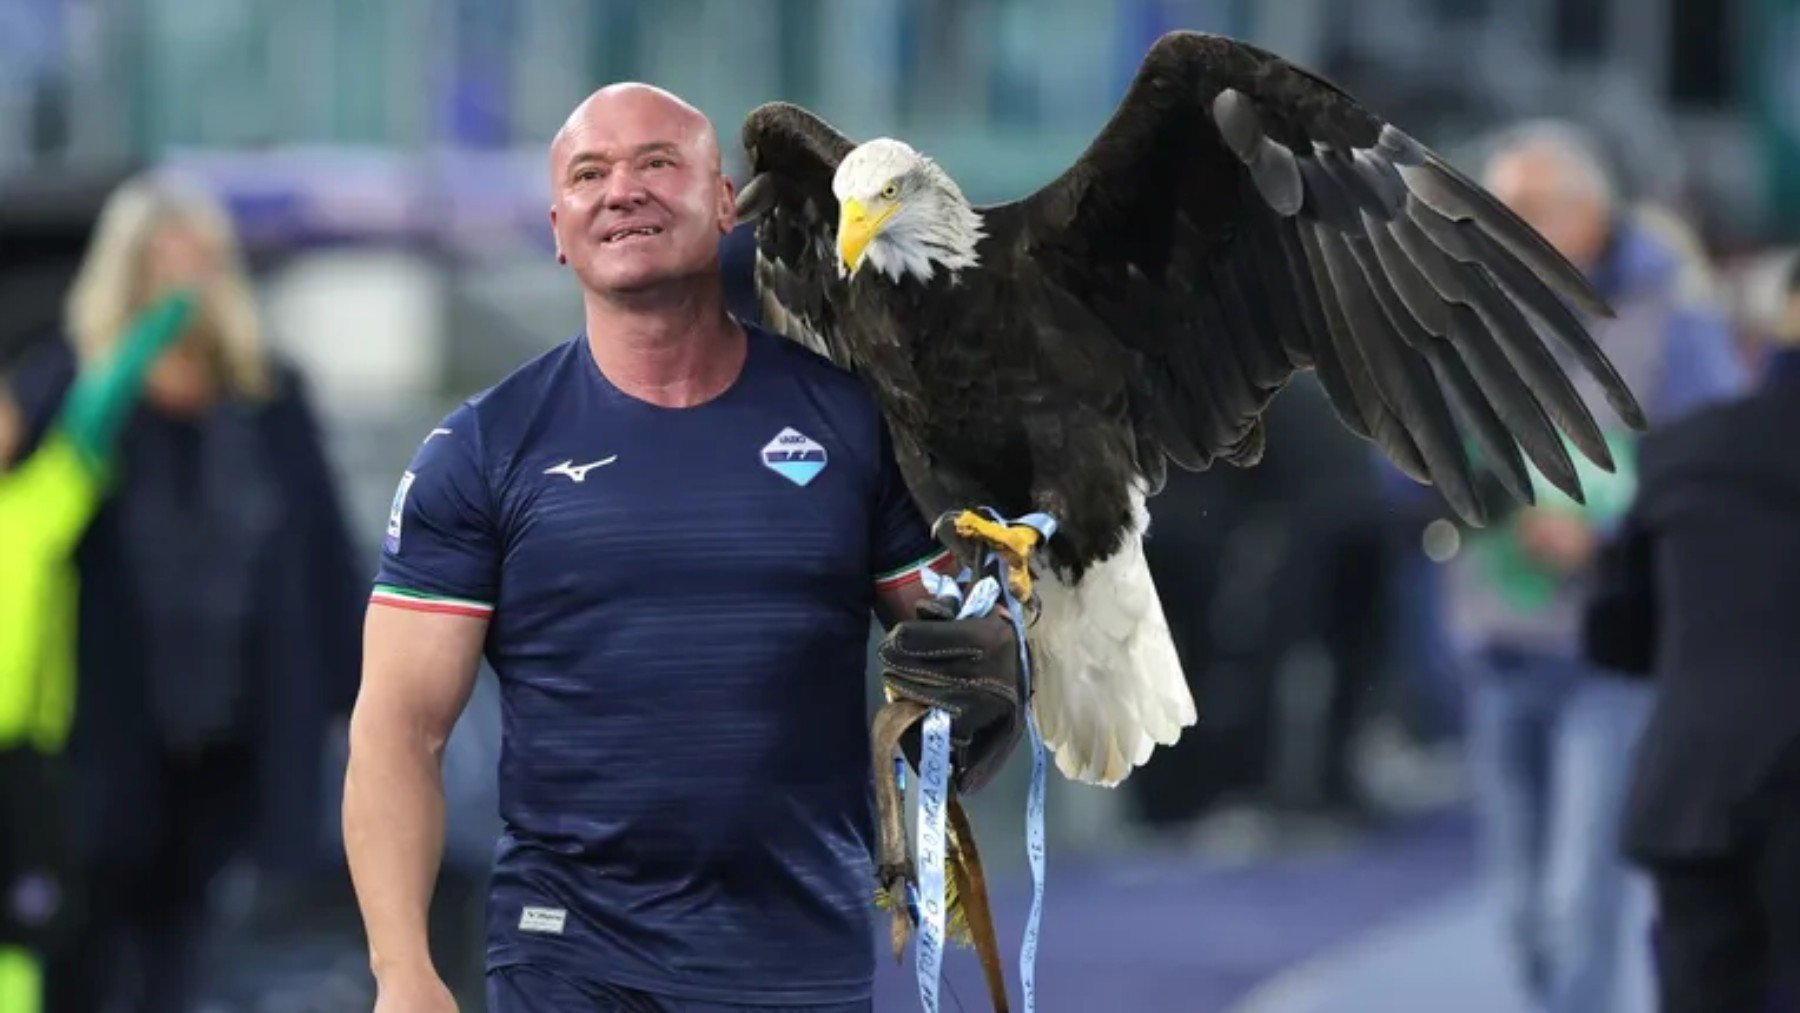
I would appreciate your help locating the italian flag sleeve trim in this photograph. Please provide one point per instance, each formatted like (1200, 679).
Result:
(419, 601)
(910, 572)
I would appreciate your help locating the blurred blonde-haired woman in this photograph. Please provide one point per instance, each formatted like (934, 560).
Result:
(219, 611)
(154, 236)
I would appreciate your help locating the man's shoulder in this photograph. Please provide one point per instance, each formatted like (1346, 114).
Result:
(800, 358)
(803, 362)
(485, 428)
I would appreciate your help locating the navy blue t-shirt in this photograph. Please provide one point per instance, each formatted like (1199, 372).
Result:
(679, 604)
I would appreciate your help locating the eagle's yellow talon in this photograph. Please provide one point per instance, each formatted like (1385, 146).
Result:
(1013, 542)
(1018, 576)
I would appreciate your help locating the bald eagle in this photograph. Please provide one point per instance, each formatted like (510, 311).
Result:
(1237, 219)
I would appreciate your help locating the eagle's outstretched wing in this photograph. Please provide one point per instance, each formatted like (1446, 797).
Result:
(1239, 218)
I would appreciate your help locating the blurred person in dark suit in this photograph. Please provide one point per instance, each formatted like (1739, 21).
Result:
(1195, 519)
(218, 610)
(1252, 564)
(1698, 591)
(1551, 737)
(1339, 578)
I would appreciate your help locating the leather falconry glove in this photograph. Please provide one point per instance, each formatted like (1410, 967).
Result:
(968, 667)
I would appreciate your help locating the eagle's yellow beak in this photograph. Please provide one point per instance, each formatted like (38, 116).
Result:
(857, 228)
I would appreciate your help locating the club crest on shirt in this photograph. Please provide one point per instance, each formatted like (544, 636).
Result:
(392, 541)
(794, 456)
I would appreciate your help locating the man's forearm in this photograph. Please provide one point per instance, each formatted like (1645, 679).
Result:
(394, 838)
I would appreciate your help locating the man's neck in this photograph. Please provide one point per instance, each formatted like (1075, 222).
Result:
(672, 351)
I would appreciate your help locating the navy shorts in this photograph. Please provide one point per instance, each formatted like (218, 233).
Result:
(521, 988)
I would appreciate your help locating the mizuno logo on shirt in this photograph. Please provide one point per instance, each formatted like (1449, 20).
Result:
(543, 919)
(578, 472)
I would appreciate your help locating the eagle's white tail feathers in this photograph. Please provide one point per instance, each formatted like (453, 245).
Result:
(1109, 685)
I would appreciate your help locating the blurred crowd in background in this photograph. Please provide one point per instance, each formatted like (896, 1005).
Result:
(372, 171)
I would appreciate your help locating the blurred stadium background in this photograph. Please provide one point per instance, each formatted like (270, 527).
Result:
(1308, 847)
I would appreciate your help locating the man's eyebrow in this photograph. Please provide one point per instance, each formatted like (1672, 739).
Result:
(649, 147)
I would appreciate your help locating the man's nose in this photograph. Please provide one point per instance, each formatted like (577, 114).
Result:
(623, 189)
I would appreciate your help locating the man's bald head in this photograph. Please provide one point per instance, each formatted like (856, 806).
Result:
(641, 199)
(1553, 177)
(633, 98)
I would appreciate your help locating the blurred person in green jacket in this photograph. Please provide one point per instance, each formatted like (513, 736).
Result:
(47, 500)
(1551, 736)
(219, 603)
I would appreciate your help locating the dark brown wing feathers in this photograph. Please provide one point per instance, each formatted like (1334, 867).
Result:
(1237, 219)
(1408, 288)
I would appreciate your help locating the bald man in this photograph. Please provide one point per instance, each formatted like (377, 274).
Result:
(1551, 737)
(668, 534)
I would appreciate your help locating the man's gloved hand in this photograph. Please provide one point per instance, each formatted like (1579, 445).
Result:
(968, 667)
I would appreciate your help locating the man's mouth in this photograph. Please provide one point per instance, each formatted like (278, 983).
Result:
(632, 232)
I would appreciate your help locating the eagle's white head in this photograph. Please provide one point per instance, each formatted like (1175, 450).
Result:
(901, 214)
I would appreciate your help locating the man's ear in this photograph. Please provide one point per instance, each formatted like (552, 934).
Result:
(555, 239)
(727, 205)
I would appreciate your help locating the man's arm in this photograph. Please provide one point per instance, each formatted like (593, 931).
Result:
(422, 639)
(1619, 623)
(418, 671)
(969, 667)
(897, 598)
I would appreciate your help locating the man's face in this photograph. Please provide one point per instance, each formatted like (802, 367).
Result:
(639, 198)
(1534, 184)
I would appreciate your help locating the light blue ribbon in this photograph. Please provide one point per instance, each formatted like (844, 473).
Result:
(1034, 798)
(934, 777)
(934, 781)
(927, 903)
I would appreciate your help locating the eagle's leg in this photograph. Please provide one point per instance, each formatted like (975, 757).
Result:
(1014, 543)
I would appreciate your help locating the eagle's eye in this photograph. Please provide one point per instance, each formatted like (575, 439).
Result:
(890, 191)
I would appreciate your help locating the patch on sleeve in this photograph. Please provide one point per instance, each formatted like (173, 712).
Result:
(392, 542)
